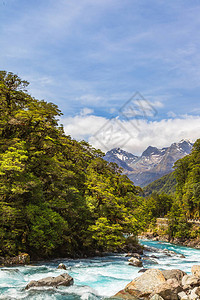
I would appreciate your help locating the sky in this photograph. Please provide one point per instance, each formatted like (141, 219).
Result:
(125, 73)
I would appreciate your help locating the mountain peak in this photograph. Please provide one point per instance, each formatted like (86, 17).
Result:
(185, 141)
(123, 158)
(152, 164)
(150, 150)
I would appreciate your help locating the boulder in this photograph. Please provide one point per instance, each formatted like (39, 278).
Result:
(183, 296)
(190, 280)
(21, 259)
(62, 266)
(170, 252)
(168, 290)
(155, 284)
(154, 256)
(146, 283)
(1, 260)
(135, 262)
(197, 291)
(149, 259)
(64, 280)
(196, 270)
(156, 297)
(136, 255)
(174, 274)
(194, 294)
(124, 295)
(142, 270)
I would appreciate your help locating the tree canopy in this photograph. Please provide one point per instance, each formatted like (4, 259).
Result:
(57, 196)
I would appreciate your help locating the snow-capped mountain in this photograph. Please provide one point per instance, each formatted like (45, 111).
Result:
(152, 164)
(123, 158)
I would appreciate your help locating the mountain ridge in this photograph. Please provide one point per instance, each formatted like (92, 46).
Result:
(153, 162)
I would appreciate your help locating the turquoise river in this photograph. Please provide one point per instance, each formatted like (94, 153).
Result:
(94, 278)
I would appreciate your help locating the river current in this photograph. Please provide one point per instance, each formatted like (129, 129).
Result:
(94, 278)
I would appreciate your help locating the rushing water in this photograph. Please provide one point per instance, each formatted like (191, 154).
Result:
(94, 278)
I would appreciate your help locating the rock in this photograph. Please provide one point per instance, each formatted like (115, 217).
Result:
(155, 284)
(168, 290)
(146, 283)
(196, 270)
(136, 255)
(62, 266)
(1, 260)
(170, 252)
(151, 249)
(151, 260)
(156, 297)
(142, 270)
(124, 295)
(197, 290)
(21, 259)
(194, 294)
(64, 280)
(183, 296)
(135, 262)
(190, 280)
(174, 274)
(131, 245)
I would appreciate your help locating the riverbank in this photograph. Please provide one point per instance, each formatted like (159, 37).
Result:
(131, 245)
(192, 243)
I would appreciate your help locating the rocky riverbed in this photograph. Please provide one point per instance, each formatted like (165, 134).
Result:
(93, 278)
(164, 285)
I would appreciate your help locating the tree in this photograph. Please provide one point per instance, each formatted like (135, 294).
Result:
(57, 195)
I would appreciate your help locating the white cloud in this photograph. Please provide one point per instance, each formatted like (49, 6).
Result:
(82, 127)
(86, 111)
(171, 114)
(124, 134)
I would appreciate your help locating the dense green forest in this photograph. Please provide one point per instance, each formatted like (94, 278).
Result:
(57, 196)
(165, 184)
(183, 203)
(186, 204)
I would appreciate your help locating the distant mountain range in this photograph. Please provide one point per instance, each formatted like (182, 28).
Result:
(152, 164)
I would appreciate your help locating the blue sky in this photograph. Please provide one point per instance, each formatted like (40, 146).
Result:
(90, 56)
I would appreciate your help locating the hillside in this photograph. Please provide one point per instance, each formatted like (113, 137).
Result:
(165, 184)
(182, 209)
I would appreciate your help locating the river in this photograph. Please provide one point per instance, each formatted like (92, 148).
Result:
(94, 278)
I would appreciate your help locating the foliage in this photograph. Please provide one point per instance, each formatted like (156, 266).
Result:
(184, 204)
(178, 225)
(57, 196)
(166, 184)
(187, 174)
(151, 208)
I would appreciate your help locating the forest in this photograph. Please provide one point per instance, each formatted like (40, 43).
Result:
(59, 197)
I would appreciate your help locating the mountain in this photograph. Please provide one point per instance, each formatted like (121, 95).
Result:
(152, 164)
(121, 157)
